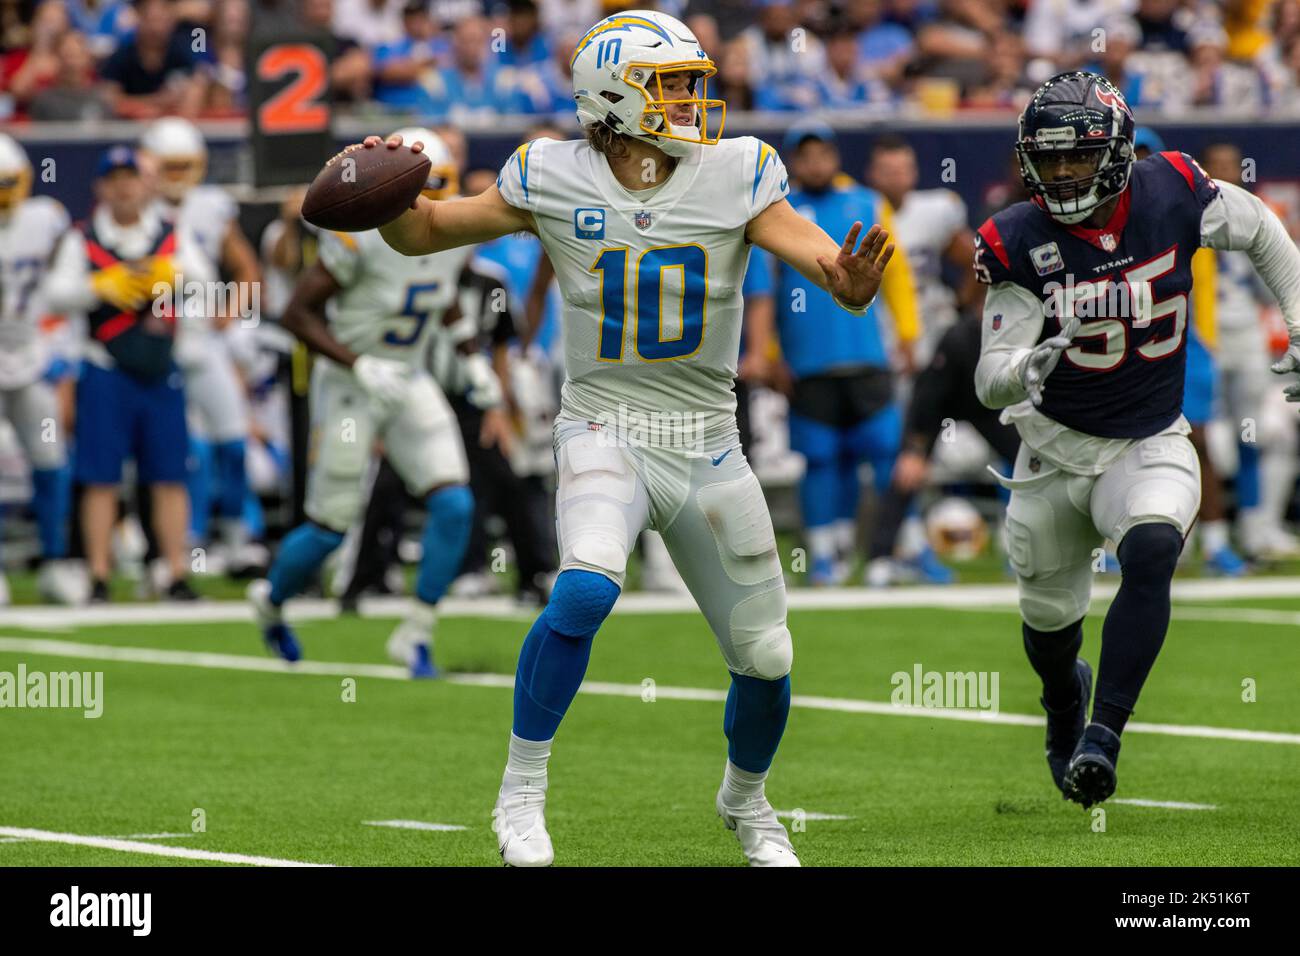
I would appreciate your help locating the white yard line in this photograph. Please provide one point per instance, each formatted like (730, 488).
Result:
(1163, 804)
(152, 849)
(150, 655)
(414, 825)
(810, 815)
(961, 596)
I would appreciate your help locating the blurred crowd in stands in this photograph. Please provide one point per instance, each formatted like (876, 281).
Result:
(449, 60)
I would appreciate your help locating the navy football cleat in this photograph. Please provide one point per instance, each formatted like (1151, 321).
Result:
(1090, 777)
(1065, 727)
(281, 642)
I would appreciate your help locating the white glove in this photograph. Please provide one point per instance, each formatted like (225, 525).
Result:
(384, 380)
(1290, 363)
(1042, 360)
(484, 388)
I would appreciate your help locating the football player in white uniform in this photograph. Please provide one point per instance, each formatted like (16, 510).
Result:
(648, 222)
(208, 346)
(1264, 427)
(370, 313)
(30, 229)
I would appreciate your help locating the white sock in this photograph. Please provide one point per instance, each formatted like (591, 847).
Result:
(911, 538)
(845, 531)
(1214, 537)
(742, 784)
(528, 758)
(424, 616)
(821, 541)
(234, 534)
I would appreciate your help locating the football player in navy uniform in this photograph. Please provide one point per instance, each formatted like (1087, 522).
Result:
(1084, 344)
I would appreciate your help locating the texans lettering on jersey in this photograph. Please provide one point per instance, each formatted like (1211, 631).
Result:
(1127, 282)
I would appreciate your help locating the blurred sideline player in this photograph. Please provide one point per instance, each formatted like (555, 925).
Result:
(1199, 391)
(843, 407)
(371, 384)
(121, 267)
(206, 350)
(1096, 392)
(931, 227)
(1266, 455)
(943, 390)
(30, 230)
(653, 207)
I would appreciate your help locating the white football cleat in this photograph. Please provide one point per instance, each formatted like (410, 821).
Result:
(519, 823)
(63, 582)
(762, 836)
(411, 643)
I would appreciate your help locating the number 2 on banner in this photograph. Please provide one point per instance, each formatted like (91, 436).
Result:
(297, 107)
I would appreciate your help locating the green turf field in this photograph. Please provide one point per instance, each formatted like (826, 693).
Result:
(283, 767)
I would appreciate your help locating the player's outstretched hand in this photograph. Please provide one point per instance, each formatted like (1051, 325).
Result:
(1290, 363)
(1043, 358)
(854, 277)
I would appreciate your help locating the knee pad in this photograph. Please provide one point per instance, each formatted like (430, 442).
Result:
(1051, 609)
(759, 636)
(580, 601)
(1149, 552)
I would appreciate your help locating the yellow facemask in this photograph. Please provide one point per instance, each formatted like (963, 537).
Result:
(657, 103)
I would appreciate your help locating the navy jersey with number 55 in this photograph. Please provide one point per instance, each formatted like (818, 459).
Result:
(1128, 283)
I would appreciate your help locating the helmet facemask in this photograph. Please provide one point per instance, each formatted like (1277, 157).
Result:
(177, 175)
(656, 124)
(15, 187)
(443, 182)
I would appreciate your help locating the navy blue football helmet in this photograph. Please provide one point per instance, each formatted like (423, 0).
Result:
(1085, 115)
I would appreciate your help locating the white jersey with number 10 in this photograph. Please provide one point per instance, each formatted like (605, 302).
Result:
(650, 279)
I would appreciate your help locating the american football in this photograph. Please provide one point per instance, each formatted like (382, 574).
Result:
(362, 188)
(650, 434)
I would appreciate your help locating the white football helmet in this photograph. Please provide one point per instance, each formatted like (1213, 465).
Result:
(15, 176)
(444, 179)
(618, 69)
(955, 529)
(179, 153)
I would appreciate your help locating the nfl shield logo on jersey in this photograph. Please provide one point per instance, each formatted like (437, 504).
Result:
(1108, 242)
(642, 220)
(997, 322)
(1046, 259)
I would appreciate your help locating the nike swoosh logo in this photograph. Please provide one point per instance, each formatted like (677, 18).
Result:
(783, 184)
(717, 461)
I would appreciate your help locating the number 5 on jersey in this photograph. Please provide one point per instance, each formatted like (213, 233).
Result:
(647, 301)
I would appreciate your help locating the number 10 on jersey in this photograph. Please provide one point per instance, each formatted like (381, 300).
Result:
(647, 301)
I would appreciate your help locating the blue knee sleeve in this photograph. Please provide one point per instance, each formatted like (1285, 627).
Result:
(754, 720)
(554, 657)
(820, 493)
(198, 481)
(51, 497)
(446, 533)
(1248, 475)
(304, 550)
(232, 477)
